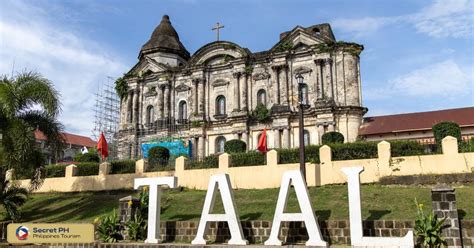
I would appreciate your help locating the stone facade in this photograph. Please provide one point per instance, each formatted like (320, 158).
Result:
(208, 97)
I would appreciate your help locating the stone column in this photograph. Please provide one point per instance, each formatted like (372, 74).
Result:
(319, 80)
(201, 96)
(444, 205)
(140, 111)
(236, 136)
(276, 91)
(201, 147)
(331, 128)
(286, 138)
(194, 92)
(135, 106)
(236, 100)
(166, 101)
(284, 86)
(243, 93)
(276, 134)
(328, 77)
(245, 138)
(130, 107)
(320, 132)
(160, 102)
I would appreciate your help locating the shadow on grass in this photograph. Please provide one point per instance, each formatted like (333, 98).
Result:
(183, 217)
(377, 214)
(323, 214)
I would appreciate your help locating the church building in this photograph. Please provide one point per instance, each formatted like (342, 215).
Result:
(211, 96)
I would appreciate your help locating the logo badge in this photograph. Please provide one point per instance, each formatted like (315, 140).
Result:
(22, 233)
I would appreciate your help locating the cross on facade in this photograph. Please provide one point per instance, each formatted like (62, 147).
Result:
(217, 28)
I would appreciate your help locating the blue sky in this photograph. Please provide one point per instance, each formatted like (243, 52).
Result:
(419, 55)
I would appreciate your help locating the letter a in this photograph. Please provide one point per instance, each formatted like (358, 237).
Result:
(306, 215)
(355, 217)
(230, 214)
(154, 203)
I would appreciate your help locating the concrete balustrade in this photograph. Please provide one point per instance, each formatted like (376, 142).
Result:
(269, 174)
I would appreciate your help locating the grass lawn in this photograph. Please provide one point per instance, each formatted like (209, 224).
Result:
(329, 202)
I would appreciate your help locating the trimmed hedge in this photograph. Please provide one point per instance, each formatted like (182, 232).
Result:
(88, 169)
(122, 166)
(332, 138)
(292, 155)
(401, 148)
(235, 146)
(247, 159)
(55, 170)
(446, 128)
(211, 161)
(158, 156)
(356, 150)
(467, 146)
(91, 156)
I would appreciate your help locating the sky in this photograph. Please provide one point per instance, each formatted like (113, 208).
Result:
(419, 54)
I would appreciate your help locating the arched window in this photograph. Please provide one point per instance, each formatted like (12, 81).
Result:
(220, 105)
(220, 142)
(304, 94)
(306, 137)
(150, 114)
(183, 110)
(262, 97)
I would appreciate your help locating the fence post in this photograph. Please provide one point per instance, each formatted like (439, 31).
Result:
(384, 156)
(71, 170)
(140, 166)
(325, 155)
(272, 158)
(224, 161)
(104, 169)
(444, 205)
(449, 145)
(179, 164)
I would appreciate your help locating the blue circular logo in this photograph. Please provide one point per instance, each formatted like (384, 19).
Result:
(22, 233)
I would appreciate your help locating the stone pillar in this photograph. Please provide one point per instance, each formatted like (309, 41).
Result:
(201, 148)
(166, 101)
(130, 107)
(320, 132)
(236, 136)
(140, 104)
(201, 96)
(236, 100)
(319, 80)
(71, 170)
(135, 106)
(276, 134)
(328, 77)
(160, 102)
(127, 208)
(104, 168)
(195, 95)
(285, 87)
(444, 205)
(244, 92)
(331, 128)
(276, 91)
(245, 138)
(286, 138)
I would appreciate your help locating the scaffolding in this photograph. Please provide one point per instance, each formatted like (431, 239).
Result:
(106, 114)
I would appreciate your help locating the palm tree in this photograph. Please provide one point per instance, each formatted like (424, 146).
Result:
(28, 102)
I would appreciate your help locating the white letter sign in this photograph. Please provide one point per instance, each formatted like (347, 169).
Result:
(355, 216)
(154, 203)
(230, 214)
(307, 214)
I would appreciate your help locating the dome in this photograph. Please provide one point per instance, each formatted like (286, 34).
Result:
(164, 39)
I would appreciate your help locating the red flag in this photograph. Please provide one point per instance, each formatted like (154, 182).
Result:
(262, 142)
(102, 146)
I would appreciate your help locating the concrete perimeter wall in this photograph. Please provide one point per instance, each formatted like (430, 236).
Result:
(269, 175)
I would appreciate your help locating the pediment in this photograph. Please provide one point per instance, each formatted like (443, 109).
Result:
(218, 52)
(261, 76)
(302, 70)
(147, 66)
(297, 39)
(220, 82)
(182, 87)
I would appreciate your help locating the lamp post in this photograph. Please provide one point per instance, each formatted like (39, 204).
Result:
(301, 107)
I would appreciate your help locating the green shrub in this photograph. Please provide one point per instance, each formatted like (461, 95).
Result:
(211, 161)
(467, 146)
(158, 156)
(88, 169)
(356, 150)
(443, 129)
(428, 228)
(108, 228)
(136, 227)
(260, 114)
(235, 146)
(292, 155)
(122, 166)
(247, 159)
(91, 156)
(332, 138)
(55, 170)
(401, 148)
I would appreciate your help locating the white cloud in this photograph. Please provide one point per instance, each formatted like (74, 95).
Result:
(443, 18)
(73, 63)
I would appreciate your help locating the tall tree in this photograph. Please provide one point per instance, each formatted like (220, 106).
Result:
(28, 102)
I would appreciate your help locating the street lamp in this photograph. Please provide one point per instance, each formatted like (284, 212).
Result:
(301, 107)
